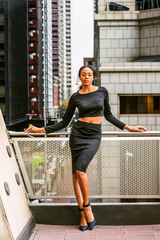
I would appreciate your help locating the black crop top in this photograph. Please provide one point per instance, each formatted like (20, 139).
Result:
(89, 105)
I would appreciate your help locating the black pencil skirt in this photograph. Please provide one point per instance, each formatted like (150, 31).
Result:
(84, 142)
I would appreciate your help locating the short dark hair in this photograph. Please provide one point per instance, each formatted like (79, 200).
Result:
(85, 66)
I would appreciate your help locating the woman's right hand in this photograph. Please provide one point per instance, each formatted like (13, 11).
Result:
(34, 129)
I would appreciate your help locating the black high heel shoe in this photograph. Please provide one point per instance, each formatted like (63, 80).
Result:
(90, 224)
(82, 228)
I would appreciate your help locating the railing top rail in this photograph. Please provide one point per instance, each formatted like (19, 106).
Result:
(104, 133)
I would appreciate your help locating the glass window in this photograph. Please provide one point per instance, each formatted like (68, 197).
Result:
(140, 104)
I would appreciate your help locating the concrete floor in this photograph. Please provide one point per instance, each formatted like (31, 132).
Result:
(56, 232)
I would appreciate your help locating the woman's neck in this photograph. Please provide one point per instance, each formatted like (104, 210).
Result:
(87, 89)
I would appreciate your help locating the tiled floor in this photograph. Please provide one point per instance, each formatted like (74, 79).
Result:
(53, 232)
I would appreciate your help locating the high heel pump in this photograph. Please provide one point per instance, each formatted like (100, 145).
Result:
(82, 228)
(90, 224)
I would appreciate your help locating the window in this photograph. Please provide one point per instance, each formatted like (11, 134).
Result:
(140, 104)
(55, 25)
(1, 28)
(1, 45)
(55, 65)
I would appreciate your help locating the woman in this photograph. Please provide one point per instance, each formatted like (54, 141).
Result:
(92, 103)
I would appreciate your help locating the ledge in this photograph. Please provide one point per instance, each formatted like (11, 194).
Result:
(131, 67)
(105, 214)
(117, 15)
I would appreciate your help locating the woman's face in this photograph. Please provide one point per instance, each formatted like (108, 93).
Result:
(86, 76)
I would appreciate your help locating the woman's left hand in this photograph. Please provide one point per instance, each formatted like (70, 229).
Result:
(135, 129)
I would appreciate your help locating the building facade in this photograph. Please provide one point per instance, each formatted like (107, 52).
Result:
(56, 56)
(47, 58)
(40, 58)
(129, 63)
(13, 61)
(68, 49)
(34, 39)
(66, 41)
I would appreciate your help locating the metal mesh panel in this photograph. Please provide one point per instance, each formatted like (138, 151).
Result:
(123, 167)
(139, 167)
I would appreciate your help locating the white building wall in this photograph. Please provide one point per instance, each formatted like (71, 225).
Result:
(63, 46)
(124, 37)
(150, 32)
(69, 83)
(138, 79)
(119, 40)
(47, 56)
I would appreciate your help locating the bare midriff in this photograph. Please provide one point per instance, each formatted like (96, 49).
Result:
(94, 120)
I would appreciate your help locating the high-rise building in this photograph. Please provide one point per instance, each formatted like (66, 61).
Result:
(65, 34)
(13, 61)
(47, 57)
(40, 58)
(62, 34)
(34, 55)
(68, 49)
(56, 56)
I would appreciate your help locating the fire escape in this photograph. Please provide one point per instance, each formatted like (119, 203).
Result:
(33, 59)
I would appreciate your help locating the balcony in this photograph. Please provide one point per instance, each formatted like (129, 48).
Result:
(34, 106)
(33, 70)
(33, 60)
(33, 47)
(124, 167)
(32, 3)
(33, 36)
(32, 24)
(32, 14)
(33, 114)
(123, 177)
(34, 83)
(33, 94)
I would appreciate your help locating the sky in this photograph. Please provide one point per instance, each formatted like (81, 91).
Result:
(82, 32)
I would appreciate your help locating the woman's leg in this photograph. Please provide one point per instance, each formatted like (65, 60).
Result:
(79, 197)
(83, 184)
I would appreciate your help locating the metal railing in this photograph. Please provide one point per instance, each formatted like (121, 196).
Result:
(127, 165)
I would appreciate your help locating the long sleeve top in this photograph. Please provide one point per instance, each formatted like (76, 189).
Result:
(89, 105)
